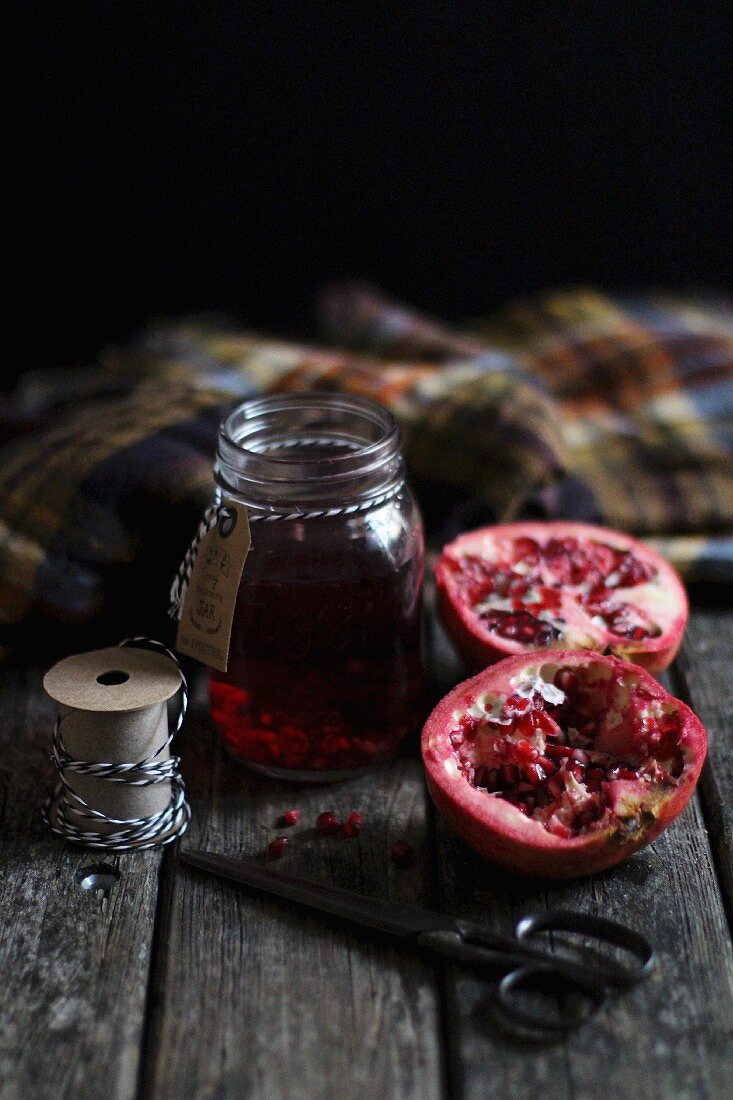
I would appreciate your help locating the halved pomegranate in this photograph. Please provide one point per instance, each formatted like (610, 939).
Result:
(523, 586)
(561, 763)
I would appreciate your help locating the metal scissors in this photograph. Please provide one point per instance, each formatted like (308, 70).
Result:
(581, 982)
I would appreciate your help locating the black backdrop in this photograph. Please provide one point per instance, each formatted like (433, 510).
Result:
(168, 157)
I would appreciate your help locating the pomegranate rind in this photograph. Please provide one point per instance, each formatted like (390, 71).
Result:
(480, 647)
(500, 833)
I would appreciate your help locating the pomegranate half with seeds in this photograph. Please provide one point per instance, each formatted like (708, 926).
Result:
(523, 586)
(561, 763)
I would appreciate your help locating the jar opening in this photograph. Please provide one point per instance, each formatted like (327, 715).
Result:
(307, 448)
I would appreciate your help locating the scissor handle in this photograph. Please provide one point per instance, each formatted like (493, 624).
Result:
(579, 999)
(609, 971)
(581, 991)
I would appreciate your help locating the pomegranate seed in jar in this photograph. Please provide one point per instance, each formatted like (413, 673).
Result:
(291, 817)
(277, 847)
(354, 824)
(402, 853)
(327, 823)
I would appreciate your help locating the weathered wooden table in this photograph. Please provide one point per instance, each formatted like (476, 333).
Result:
(178, 985)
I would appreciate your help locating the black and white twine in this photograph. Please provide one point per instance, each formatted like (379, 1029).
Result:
(134, 833)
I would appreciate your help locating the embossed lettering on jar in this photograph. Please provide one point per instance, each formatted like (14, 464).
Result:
(324, 673)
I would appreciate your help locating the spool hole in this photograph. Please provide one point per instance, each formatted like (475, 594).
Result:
(114, 676)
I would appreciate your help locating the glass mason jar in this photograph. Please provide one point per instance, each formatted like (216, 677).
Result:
(324, 672)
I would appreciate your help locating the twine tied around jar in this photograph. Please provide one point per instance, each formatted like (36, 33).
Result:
(218, 510)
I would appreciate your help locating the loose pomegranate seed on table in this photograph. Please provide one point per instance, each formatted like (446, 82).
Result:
(277, 847)
(402, 853)
(354, 824)
(327, 823)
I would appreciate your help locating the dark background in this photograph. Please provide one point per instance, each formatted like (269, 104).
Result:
(168, 157)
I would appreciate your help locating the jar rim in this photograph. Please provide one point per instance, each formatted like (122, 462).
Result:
(263, 455)
(315, 400)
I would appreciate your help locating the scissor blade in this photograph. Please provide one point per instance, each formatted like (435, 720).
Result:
(385, 916)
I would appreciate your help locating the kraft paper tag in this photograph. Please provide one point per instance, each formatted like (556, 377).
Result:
(205, 626)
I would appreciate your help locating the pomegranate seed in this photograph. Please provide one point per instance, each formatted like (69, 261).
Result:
(509, 774)
(402, 853)
(544, 724)
(580, 756)
(556, 786)
(525, 752)
(558, 828)
(525, 726)
(277, 847)
(566, 680)
(291, 817)
(632, 571)
(354, 824)
(327, 823)
(620, 771)
(525, 549)
(558, 752)
(535, 774)
(521, 625)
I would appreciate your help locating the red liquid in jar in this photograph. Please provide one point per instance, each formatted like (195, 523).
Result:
(324, 674)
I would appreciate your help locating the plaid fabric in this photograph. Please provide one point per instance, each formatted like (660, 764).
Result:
(578, 405)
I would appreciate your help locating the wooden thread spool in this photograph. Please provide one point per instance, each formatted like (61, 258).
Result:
(113, 712)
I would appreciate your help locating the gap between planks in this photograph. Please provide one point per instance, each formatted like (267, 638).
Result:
(703, 678)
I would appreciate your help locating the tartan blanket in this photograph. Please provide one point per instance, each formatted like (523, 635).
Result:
(616, 410)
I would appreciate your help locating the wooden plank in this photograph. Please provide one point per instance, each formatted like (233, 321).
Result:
(672, 1037)
(705, 674)
(74, 964)
(255, 998)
